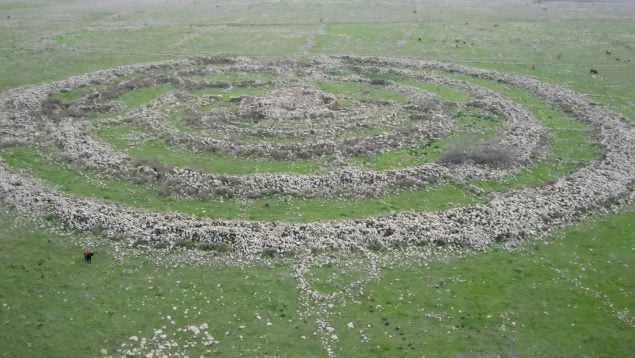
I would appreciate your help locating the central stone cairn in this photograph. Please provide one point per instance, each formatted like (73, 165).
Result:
(287, 106)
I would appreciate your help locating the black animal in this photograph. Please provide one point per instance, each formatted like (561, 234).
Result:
(594, 71)
(88, 254)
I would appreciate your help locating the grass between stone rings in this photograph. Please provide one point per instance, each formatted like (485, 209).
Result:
(279, 208)
(562, 158)
(571, 144)
(153, 148)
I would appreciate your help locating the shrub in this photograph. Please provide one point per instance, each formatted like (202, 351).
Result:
(188, 244)
(493, 154)
(96, 230)
(224, 192)
(140, 242)
(376, 247)
(269, 252)
(204, 194)
(213, 247)
(440, 242)
(164, 189)
(379, 82)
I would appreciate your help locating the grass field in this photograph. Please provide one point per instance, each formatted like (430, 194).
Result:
(561, 297)
(570, 295)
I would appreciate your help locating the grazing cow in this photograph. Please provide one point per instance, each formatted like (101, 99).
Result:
(88, 254)
(594, 71)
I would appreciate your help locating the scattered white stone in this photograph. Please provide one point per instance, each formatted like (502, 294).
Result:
(194, 329)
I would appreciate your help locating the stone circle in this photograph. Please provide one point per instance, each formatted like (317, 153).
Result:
(285, 104)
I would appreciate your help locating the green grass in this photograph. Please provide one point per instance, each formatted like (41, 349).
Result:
(445, 92)
(500, 303)
(54, 305)
(336, 275)
(122, 136)
(538, 300)
(216, 163)
(128, 138)
(70, 96)
(471, 125)
(175, 119)
(562, 160)
(404, 158)
(571, 143)
(121, 191)
(51, 304)
(478, 124)
(267, 208)
(364, 38)
(29, 65)
(317, 209)
(276, 40)
(140, 96)
(14, 5)
(142, 39)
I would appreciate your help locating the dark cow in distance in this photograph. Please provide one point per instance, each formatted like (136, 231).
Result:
(88, 254)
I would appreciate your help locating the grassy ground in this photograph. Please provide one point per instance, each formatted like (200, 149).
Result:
(571, 143)
(471, 125)
(278, 207)
(559, 298)
(54, 305)
(545, 299)
(128, 138)
(141, 96)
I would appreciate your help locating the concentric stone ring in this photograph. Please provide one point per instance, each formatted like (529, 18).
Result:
(330, 110)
